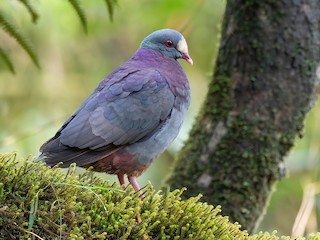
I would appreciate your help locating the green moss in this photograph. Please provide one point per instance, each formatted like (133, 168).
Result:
(251, 167)
(217, 107)
(43, 203)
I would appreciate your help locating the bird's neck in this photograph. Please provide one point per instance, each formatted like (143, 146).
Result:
(170, 68)
(152, 58)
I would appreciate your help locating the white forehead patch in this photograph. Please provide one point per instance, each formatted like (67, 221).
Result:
(182, 46)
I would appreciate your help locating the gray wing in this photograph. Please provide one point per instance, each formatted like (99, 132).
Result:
(121, 113)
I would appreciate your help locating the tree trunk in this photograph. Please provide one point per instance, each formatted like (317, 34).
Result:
(263, 86)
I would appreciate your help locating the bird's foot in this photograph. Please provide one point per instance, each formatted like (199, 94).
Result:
(135, 185)
(133, 182)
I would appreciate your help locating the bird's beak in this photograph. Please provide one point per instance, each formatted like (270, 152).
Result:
(186, 57)
(183, 49)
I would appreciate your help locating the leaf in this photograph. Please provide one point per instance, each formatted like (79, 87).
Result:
(80, 11)
(33, 211)
(7, 60)
(13, 31)
(31, 10)
(110, 5)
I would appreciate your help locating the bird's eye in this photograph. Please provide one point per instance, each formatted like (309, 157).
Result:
(169, 43)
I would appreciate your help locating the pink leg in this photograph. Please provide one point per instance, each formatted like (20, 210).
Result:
(121, 180)
(135, 185)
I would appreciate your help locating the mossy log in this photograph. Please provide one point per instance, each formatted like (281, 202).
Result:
(37, 202)
(262, 88)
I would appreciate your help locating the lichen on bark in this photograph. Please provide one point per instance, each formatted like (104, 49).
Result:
(262, 88)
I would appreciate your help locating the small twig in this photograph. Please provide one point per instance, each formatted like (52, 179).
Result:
(24, 230)
(89, 189)
(55, 226)
(60, 216)
(305, 210)
(34, 234)
(3, 209)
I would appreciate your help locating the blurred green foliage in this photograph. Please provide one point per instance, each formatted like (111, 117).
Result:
(34, 103)
(9, 27)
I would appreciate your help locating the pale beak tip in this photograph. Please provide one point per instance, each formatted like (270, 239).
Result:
(187, 58)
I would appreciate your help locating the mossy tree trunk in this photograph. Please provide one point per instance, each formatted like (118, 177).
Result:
(263, 86)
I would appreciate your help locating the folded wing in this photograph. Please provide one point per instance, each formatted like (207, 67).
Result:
(128, 109)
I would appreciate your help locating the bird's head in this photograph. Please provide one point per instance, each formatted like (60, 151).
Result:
(169, 42)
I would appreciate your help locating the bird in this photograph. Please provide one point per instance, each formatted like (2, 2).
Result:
(132, 116)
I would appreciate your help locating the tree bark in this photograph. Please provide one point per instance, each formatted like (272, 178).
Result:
(262, 88)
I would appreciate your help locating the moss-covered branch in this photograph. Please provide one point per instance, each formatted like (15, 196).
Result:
(42, 203)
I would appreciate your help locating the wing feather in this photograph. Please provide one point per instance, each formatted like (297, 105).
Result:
(120, 112)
